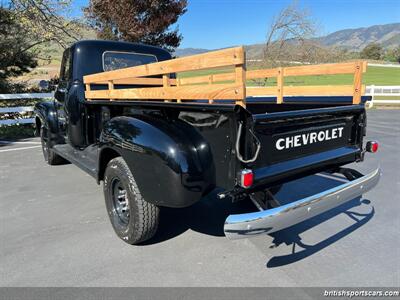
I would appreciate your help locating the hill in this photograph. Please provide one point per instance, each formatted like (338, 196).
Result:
(356, 39)
(352, 39)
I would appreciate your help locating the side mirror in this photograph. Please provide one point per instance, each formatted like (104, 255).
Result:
(44, 84)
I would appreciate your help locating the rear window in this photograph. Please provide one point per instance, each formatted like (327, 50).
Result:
(118, 60)
(65, 73)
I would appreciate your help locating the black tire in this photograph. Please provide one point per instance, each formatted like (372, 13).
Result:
(133, 218)
(49, 155)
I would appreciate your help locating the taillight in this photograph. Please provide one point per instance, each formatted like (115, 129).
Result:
(372, 146)
(246, 178)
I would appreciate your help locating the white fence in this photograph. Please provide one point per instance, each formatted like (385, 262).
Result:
(384, 65)
(385, 91)
(20, 109)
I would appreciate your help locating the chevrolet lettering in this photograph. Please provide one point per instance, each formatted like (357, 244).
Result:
(309, 138)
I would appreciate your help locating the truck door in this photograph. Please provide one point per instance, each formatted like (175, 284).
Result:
(70, 111)
(62, 91)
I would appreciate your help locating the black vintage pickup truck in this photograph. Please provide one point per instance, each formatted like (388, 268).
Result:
(156, 139)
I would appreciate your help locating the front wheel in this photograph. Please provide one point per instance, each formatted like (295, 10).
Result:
(133, 218)
(49, 155)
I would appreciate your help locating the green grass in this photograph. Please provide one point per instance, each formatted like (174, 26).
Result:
(382, 76)
(374, 75)
(386, 97)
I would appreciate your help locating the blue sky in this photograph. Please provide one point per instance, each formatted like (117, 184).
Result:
(221, 23)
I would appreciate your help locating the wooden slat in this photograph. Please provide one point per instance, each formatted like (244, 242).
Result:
(240, 80)
(165, 79)
(261, 91)
(221, 58)
(139, 81)
(279, 86)
(264, 73)
(87, 88)
(325, 69)
(210, 81)
(357, 82)
(364, 66)
(178, 83)
(215, 91)
(197, 92)
(252, 74)
(111, 87)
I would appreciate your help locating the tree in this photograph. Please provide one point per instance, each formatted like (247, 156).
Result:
(144, 21)
(45, 21)
(290, 30)
(15, 44)
(372, 51)
(393, 55)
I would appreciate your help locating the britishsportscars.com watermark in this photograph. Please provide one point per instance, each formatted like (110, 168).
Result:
(196, 293)
(361, 293)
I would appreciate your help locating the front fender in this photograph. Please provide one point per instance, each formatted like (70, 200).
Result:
(47, 114)
(171, 162)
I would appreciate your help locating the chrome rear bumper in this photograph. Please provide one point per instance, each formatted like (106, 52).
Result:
(271, 220)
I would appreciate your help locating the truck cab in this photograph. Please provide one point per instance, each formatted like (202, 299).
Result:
(154, 140)
(88, 57)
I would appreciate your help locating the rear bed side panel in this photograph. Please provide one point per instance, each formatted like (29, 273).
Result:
(215, 124)
(219, 130)
(176, 156)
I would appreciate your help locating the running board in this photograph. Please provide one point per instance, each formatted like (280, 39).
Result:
(85, 159)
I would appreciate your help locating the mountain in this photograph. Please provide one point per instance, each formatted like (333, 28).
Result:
(252, 51)
(387, 35)
(356, 39)
(353, 39)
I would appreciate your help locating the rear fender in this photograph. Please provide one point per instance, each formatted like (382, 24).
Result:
(170, 160)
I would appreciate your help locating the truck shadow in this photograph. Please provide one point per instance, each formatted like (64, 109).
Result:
(292, 236)
(208, 217)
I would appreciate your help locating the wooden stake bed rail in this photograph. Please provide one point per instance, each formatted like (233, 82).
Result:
(223, 86)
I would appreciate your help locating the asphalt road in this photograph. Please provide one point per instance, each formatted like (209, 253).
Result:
(54, 231)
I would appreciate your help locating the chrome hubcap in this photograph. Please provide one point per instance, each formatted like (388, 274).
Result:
(121, 202)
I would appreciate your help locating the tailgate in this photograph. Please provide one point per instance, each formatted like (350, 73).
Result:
(297, 142)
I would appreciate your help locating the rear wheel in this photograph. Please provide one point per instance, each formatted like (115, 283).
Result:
(133, 218)
(49, 155)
